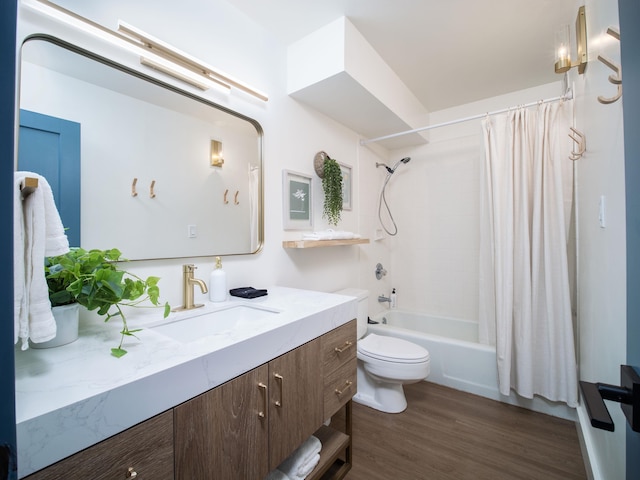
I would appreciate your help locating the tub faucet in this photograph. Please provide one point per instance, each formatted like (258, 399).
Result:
(382, 299)
(188, 283)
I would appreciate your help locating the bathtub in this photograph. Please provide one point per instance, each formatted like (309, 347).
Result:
(458, 360)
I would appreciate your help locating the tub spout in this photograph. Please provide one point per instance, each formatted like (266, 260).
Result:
(382, 299)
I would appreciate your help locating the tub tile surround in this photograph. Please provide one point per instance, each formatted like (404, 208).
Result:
(74, 396)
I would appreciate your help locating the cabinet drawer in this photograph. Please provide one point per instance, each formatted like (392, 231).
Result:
(339, 386)
(145, 450)
(339, 347)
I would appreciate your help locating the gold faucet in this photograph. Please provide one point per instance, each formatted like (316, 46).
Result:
(188, 282)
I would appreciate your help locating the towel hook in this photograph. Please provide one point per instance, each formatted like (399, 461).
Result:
(152, 194)
(235, 198)
(226, 192)
(133, 187)
(614, 79)
(581, 141)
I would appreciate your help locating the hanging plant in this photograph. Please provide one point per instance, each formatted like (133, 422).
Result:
(332, 186)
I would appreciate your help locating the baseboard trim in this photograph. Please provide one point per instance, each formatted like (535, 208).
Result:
(583, 426)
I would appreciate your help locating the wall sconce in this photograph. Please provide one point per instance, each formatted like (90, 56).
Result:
(563, 45)
(216, 154)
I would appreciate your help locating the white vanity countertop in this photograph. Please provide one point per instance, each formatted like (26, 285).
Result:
(73, 396)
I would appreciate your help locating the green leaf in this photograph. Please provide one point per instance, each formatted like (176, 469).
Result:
(118, 352)
(131, 332)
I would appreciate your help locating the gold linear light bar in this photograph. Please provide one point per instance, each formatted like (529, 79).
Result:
(172, 62)
(185, 60)
(198, 83)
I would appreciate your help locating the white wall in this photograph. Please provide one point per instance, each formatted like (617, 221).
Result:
(601, 251)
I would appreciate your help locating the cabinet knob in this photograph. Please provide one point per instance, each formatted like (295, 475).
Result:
(346, 346)
(346, 387)
(131, 473)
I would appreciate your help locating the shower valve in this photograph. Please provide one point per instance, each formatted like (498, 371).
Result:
(380, 271)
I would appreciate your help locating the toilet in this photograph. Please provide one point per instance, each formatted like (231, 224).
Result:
(385, 364)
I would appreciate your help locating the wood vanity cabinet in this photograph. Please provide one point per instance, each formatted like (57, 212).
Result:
(144, 450)
(231, 433)
(246, 427)
(242, 429)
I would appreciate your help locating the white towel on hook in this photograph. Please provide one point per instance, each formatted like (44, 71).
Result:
(38, 232)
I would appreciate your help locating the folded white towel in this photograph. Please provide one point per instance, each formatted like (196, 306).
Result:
(299, 461)
(330, 235)
(276, 475)
(38, 232)
(305, 469)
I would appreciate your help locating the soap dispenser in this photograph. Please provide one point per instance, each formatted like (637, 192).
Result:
(394, 299)
(218, 283)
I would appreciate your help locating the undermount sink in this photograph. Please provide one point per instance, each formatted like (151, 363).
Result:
(218, 322)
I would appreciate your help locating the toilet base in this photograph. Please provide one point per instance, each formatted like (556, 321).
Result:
(382, 396)
(389, 400)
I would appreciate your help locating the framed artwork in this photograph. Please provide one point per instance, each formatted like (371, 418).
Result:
(297, 200)
(346, 186)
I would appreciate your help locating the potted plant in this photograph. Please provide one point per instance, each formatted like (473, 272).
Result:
(94, 280)
(329, 171)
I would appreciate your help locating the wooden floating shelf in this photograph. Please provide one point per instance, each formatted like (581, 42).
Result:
(322, 243)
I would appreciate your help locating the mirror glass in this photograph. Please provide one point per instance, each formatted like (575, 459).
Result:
(144, 181)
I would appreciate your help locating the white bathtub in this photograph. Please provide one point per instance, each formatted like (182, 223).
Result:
(457, 359)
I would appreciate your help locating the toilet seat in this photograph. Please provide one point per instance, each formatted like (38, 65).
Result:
(391, 349)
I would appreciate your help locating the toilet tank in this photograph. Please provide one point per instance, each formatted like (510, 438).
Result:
(363, 307)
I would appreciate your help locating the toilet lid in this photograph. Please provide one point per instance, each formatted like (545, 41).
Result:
(392, 349)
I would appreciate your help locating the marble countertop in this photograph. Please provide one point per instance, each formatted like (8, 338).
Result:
(73, 396)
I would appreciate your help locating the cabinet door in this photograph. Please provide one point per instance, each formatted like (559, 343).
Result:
(145, 450)
(295, 390)
(223, 434)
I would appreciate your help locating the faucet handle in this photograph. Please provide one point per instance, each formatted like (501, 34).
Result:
(189, 268)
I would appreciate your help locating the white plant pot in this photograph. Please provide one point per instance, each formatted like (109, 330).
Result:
(66, 317)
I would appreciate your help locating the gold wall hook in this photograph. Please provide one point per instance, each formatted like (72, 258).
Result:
(226, 192)
(133, 187)
(235, 198)
(614, 79)
(152, 193)
(581, 140)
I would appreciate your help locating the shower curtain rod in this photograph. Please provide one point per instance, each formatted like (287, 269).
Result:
(566, 96)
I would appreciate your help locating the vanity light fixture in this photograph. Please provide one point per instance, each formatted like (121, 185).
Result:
(195, 80)
(216, 154)
(563, 45)
(153, 52)
(185, 60)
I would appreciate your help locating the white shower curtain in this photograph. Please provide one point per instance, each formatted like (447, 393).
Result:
(525, 302)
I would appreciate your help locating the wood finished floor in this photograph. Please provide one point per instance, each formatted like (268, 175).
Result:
(447, 434)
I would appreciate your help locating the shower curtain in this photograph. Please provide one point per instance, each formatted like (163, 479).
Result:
(525, 302)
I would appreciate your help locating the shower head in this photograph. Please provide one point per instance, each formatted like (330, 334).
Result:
(402, 160)
(393, 169)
